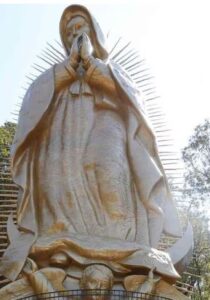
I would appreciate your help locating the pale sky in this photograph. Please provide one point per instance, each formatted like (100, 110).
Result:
(173, 36)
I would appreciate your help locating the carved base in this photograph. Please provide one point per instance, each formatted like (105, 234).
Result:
(96, 283)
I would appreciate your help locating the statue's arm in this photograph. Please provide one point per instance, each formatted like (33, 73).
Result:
(64, 74)
(98, 75)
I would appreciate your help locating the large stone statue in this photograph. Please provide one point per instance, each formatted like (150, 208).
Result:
(93, 193)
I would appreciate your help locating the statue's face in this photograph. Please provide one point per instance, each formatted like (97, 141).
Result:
(75, 27)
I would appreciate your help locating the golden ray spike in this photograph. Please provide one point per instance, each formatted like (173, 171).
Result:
(56, 50)
(46, 61)
(121, 50)
(59, 44)
(129, 59)
(60, 59)
(125, 55)
(14, 114)
(115, 45)
(125, 58)
(145, 79)
(33, 75)
(166, 153)
(157, 114)
(159, 124)
(161, 130)
(24, 88)
(134, 67)
(40, 68)
(143, 76)
(136, 73)
(159, 137)
(149, 93)
(31, 79)
(18, 104)
(157, 120)
(171, 163)
(153, 106)
(153, 111)
(166, 140)
(171, 159)
(140, 86)
(139, 77)
(48, 54)
(152, 98)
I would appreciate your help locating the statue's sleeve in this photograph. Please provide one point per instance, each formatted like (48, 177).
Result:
(99, 76)
(64, 75)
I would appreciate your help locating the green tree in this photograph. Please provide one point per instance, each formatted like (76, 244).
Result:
(196, 156)
(7, 132)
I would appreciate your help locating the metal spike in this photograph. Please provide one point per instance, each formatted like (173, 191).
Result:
(121, 50)
(140, 86)
(59, 44)
(129, 59)
(151, 106)
(33, 76)
(142, 76)
(157, 117)
(150, 89)
(133, 74)
(171, 159)
(165, 140)
(54, 54)
(40, 68)
(125, 58)
(154, 114)
(24, 88)
(56, 50)
(146, 79)
(134, 66)
(115, 45)
(18, 104)
(168, 152)
(164, 130)
(126, 55)
(48, 54)
(159, 137)
(150, 93)
(45, 60)
(152, 98)
(29, 78)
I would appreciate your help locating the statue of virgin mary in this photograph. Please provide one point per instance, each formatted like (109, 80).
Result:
(92, 187)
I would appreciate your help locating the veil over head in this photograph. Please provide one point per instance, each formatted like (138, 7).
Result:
(97, 36)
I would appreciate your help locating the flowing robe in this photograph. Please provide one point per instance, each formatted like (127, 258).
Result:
(87, 164)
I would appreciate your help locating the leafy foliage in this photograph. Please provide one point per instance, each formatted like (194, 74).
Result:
(196, 156)
(7, 132)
